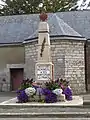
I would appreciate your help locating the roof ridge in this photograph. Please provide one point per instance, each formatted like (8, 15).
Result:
(57, 18)
(57, 27)
(66, 25)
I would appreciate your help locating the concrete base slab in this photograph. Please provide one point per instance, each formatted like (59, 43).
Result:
(77, 101)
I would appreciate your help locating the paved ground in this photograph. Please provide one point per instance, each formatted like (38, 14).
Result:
(43, 110)
(45, 118)
(6, 96)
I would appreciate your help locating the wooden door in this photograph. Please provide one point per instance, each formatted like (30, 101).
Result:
(16, 78)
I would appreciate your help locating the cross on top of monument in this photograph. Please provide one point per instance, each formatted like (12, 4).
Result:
(43, 16)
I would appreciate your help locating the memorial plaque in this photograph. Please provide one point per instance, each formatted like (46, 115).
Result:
(43, 72)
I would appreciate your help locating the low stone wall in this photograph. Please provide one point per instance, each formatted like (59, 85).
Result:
(68, 59)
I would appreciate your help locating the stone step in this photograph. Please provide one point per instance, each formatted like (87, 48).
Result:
(42, 111)
(47, 115)
(46, 111)
(44, 118)
(86, 102)
(21, 106)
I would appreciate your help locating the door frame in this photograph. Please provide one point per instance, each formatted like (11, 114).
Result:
(11, 80)
(12, 66)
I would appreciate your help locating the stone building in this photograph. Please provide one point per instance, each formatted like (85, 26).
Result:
(69, 35)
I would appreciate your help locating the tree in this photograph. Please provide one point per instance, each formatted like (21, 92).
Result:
(15, 7)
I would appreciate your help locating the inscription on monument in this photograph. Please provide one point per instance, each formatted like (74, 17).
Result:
(43, 72)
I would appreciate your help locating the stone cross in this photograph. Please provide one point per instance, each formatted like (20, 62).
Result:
(44, 66)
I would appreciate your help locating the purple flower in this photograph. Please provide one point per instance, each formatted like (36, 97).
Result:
(39, 91)
(68, 93)
(50, 97)
(35, 87)
(21, 96)
(46, 91)
(18, 91)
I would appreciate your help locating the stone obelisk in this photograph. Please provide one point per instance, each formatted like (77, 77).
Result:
(44, 66)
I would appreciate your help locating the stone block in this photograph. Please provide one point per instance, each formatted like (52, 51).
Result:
(61, 98)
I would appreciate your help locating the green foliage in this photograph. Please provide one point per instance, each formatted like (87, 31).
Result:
(25, 84)
(18, 7)
(15, 7)
(58, 5)
(52, 85)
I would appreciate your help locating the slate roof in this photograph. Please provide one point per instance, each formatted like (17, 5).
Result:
(57, 28)
(17, 28)
(21, 27)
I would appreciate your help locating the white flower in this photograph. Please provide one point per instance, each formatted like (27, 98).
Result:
(30, 91)
(69, 87)
(57, 91)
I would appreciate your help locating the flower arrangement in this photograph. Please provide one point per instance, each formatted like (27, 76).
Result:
(57, 91)
(30, 91)
(21, 96)
(51, 90)
(22, 92)
(50, 97)
(26, 83)
(52, 85)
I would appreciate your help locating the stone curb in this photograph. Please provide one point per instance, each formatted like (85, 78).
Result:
(77, 101)
(6, 106)
(86, 102)
(46, 115)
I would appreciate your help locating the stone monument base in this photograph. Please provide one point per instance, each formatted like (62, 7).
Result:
(77, 101)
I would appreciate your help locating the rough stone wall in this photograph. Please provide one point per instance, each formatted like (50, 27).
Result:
(88, 65)
(75, 66)
(68, 59)
(30, 59)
